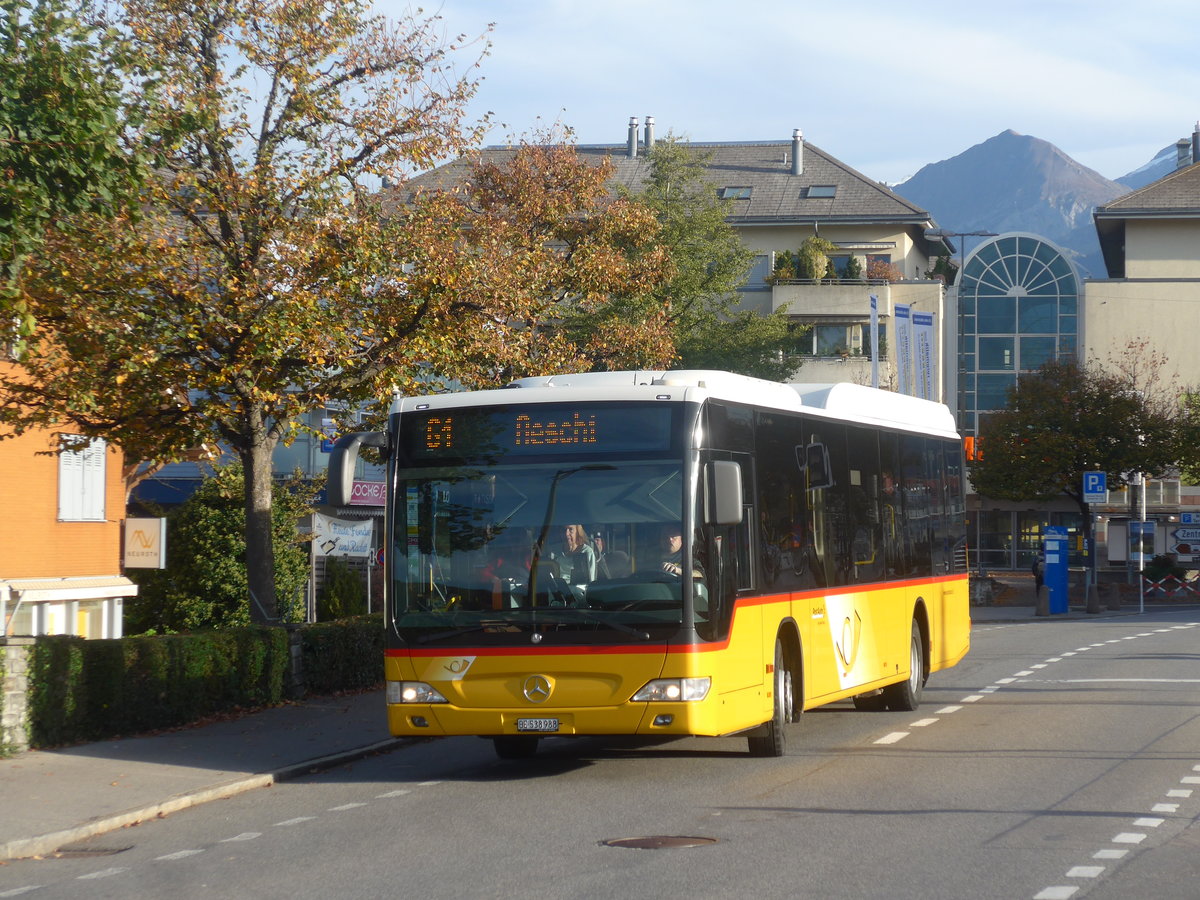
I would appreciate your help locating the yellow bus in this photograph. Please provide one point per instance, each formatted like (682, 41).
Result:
(663, 554)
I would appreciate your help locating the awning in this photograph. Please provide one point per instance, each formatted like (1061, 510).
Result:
(88, 587)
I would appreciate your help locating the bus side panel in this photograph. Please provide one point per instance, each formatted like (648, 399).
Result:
(857, 641)
(950, 623)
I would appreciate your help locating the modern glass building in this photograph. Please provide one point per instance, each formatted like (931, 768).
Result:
(1018, 306)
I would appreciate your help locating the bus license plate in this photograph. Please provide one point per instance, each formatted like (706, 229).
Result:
(537, 725)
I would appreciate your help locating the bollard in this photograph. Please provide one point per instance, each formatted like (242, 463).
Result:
(1093, 598)
(1114, 597)
(1042, 607)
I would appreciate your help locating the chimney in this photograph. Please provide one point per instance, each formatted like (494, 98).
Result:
(631, 150)
(1183, 152)
(797, 152)
(649, 133)
(1196, 144)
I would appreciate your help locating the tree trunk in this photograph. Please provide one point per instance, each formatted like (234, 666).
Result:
(260, 547)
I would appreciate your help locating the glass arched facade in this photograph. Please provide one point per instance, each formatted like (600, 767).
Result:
(1018, 307)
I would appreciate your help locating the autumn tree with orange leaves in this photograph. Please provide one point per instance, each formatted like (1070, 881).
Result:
(260, 280)
(546, 269)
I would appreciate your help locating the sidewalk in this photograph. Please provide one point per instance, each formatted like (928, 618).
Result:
(51, 798)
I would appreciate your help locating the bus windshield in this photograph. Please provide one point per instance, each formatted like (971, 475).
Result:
(568, 553)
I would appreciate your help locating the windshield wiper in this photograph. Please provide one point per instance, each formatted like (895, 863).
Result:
(464, 629)
(597, 620)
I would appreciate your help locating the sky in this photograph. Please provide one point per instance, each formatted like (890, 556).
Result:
(884, 87)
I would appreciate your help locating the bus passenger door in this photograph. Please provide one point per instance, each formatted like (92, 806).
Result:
(725, 555)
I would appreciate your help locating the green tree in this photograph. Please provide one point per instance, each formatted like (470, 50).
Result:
(710, 263)
(1065, 419)
(62, 120)
(205, 583)
(253, 281)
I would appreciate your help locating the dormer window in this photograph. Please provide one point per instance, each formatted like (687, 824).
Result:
(821, 192)
(734, 193)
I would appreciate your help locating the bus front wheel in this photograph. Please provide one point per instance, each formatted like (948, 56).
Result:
(905, 696)
(770, 739)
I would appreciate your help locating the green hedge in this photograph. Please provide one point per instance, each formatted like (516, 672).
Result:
(86, 690)
(346, 654)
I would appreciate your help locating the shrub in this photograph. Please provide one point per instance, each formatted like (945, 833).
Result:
(343, 593)
(86, 690)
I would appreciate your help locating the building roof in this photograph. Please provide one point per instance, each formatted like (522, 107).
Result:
(1174, 196)
(775, 196)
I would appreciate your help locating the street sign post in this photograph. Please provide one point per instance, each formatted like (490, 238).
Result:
(1095, 487)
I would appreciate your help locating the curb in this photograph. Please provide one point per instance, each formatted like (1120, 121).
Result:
(45, 844)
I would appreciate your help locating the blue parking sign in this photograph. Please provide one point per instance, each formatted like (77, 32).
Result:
(1095, 487)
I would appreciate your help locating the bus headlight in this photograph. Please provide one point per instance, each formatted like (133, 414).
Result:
(412, 692)
(674, 690)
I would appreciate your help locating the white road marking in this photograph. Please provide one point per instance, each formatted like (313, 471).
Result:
(104, 873)
(921, 723)
(1110, 854)
(399, 793)
(17, 892)
(1165, 808)
(1147, 822)
(1023, 673)
(346, 806)
(893, 737)
(1123, 680)
(295, 821)
(244, 836)
(1190, 779)
(946, 710)
(973, 698)
(178, 854)
(1128, 837)
(1179, 792)
(1085, 871)
(1060, 892)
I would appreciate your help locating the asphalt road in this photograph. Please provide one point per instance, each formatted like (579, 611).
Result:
(1061, 759)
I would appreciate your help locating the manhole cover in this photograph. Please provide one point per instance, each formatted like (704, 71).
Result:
(659, 842)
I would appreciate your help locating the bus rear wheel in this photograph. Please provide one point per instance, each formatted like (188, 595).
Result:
(906, 695)
(771, 738)
(515, 746)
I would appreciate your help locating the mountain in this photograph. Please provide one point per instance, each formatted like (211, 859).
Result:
(1164, 163)
(1013, 182)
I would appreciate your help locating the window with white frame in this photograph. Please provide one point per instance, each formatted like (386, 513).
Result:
(81, 483)
(840, 339)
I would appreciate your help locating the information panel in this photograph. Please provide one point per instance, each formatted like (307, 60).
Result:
(495, 433)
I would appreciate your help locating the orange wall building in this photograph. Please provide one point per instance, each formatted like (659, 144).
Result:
(60, 537)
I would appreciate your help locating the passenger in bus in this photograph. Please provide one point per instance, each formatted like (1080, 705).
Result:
(578, 562)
